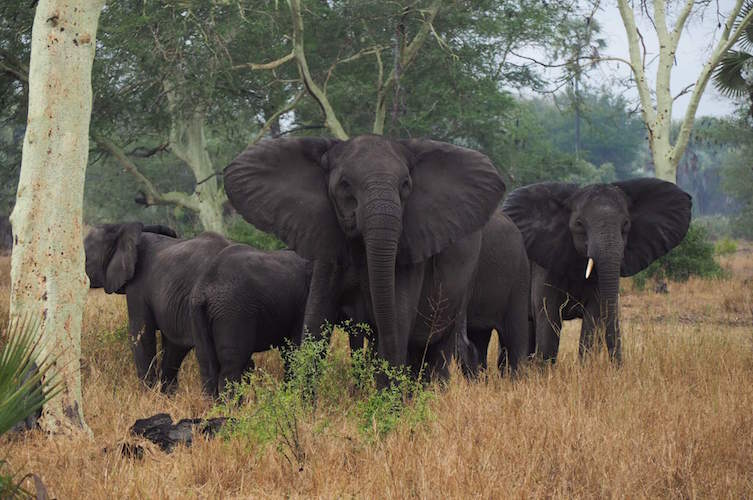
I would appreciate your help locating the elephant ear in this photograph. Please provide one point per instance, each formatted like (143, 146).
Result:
(455, 191)
(280, 186)
(659, 218)
(122, 265)
(542, 214)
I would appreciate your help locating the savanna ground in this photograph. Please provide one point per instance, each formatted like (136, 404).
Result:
(675, 420)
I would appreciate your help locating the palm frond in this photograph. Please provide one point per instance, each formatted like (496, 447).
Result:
(728, 77)
(746, 40)
(21, 389)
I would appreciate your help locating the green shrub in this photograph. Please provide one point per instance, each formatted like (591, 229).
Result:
(322, 383)
(693, 257)
(241, 231)
(725, 246)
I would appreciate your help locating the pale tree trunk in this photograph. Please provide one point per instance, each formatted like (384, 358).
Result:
(47, 266)
(188, 142)
(657, 112)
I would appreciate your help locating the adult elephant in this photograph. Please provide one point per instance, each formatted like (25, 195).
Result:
(500, 297)
(582, 239)
(245, 301)
(156, 271)
(396, 221)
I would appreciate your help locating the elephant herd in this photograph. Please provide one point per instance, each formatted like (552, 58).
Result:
(407, 236)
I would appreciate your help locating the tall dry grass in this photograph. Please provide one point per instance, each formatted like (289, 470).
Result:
(675, 420)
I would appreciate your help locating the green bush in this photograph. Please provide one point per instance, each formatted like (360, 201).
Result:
(725, 246)
(322, 383)
(693, 257)
(241, 231)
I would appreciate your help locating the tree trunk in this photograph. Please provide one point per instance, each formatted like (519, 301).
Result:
(188, 142)
(47, 266)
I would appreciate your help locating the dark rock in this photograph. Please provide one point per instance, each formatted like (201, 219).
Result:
(160, 430)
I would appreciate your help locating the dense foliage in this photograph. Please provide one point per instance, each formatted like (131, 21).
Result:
(323, 383)
(695, 256)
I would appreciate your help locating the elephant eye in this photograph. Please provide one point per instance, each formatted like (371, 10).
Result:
(405, 188)
(579, 225)
(343, 185)
(625, 226)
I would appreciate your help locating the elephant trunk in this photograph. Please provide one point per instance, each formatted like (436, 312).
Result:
(607, 262)
(382, 229)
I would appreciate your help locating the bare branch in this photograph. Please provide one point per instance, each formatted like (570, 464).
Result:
(684, 91)
(637, 63)
(152, 196)
(269, 65)
(141, 152)
(407, 57)
(353, 57)
(330, 118)
(268, 124)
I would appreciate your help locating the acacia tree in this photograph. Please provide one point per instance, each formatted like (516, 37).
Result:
(656, 103)
(47, 265)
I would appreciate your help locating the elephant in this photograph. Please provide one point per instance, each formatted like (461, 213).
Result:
(500, 298)
(156, 271)
(397, 222)
(582, 239)
(245, 301)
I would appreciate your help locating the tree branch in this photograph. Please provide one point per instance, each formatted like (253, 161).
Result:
(269, 65)
(407, 57)
(330, 118)
(141, 152)
(639, 70)
(152, 196)
(725, 43)
(680, 23)
(268, 124)
(14, 66)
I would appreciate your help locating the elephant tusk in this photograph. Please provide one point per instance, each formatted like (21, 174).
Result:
(589, 267)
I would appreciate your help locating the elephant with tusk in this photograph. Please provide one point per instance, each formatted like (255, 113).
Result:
(611, 230)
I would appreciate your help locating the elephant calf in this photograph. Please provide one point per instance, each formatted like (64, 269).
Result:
(246, 301)
(156, 271)
(500, 295)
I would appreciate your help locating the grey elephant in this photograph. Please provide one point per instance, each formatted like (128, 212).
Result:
(246, 301)
(397, 222)
(500, 298)
(156, 271)
(582, 239)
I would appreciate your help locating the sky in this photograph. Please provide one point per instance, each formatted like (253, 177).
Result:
(694, 48)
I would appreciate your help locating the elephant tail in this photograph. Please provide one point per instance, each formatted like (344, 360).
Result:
(206, 354)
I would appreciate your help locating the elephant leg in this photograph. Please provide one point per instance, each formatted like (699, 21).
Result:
(480, 338)
(321, 304)
(591, 324)
(515, 335)
(466, 352)
(172, 357)
(142, 333)
(548, 325)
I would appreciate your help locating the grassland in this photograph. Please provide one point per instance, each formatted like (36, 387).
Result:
(675, 420)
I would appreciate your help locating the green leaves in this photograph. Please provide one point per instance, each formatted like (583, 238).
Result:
(21, 389)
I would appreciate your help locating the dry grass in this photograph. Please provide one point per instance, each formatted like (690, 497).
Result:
(674, 420)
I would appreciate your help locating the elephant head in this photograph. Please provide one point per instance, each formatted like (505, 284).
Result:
(111, 252)
(605, 229)
(405, 200)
